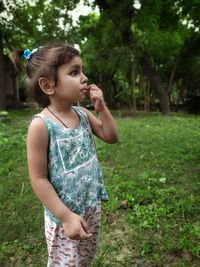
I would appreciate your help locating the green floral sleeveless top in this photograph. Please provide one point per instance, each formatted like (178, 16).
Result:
(73, 167)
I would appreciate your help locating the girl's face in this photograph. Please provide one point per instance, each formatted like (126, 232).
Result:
(71, 83)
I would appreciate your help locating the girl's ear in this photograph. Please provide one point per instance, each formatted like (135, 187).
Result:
(46, 85)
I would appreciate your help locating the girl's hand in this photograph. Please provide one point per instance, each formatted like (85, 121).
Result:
(96, 97)
(76, 227)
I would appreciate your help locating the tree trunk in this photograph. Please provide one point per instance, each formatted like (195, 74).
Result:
(133, 100)
(147, 100)
(127, 11)
(146, 89)
(2, 89)
(156, 84)
(16, 91)
(172, 76)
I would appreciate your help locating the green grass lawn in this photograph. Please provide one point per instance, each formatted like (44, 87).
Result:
(152, 176)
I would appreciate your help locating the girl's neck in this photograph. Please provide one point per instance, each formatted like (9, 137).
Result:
(66, 115)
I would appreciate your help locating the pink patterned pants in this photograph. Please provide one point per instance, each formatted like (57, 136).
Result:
(65, 252)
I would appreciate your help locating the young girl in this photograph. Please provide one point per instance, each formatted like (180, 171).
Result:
(62, 160)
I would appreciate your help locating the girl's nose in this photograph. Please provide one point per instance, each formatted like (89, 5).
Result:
(84, 78)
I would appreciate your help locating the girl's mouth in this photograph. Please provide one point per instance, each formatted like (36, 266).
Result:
(85, 90)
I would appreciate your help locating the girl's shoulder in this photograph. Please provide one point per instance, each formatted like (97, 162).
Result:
(42, 118)
(40, 125)
(38, 121)
(37, 128)
(80, 110)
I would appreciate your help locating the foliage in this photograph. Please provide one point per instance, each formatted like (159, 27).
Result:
(36, 23)
(160, 33)
(104, 57)
(114, 41)
(152, 177)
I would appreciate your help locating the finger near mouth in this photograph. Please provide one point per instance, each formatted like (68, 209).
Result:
(84, 91)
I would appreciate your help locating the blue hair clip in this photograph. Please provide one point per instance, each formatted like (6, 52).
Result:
(27, 54)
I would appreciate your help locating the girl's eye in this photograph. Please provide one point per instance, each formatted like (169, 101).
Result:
(74, 72)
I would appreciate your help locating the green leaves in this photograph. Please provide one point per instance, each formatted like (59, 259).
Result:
(34, 23)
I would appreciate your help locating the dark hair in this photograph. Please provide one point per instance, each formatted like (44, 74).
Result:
(44, 62)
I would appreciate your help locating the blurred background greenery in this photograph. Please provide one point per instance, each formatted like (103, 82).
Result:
(144, 54)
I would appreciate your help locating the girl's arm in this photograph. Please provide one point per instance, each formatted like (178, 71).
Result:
(104, 127)
(37, 149)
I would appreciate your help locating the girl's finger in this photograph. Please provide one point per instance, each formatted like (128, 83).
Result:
(92, 86)
(84, 235)
(94, 97)
(85, 226)
(96, 94)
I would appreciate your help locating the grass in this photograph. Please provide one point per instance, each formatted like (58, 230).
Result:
(152, 177)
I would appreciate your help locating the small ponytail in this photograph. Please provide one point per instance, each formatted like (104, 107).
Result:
(17, 59)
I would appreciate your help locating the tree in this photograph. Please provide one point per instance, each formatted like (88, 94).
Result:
(140, 30)
(104, 57)
(2, 93)
(30, 24)
(153, 35)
